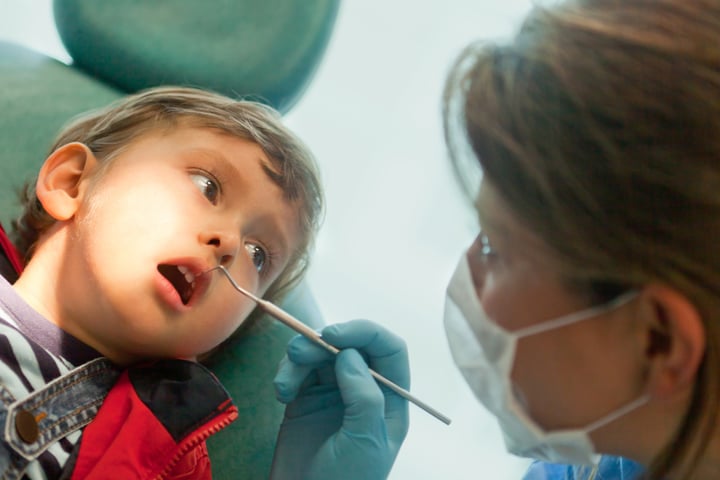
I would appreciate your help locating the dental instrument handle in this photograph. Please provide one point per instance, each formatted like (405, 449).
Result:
(309, 333)
(292, 322)
(312, 335)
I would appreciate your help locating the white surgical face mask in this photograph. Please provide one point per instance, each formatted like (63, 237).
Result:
(484, 352)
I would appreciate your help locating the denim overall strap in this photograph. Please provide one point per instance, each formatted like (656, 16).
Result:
(63, 406)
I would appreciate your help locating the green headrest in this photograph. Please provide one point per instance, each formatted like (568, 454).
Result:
(266, 49)
(37, 96)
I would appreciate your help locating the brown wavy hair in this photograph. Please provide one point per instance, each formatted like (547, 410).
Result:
(599, 124)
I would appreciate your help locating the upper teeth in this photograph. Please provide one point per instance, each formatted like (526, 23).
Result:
(189, 277)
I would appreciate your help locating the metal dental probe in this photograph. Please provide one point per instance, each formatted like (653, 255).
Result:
(310, 334)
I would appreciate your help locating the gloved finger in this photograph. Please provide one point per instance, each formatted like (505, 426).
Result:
(363, 399)
(306, 352)
(316, 399)
(289, 379)
(387, 353)
(365, 404)
(397, 417)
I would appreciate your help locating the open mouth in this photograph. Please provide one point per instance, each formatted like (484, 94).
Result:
(181, 278)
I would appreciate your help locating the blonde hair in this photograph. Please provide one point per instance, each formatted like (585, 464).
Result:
(599, 124)
(106, 132)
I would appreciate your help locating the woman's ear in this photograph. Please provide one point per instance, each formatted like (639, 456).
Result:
(673, 337)
(59, 185)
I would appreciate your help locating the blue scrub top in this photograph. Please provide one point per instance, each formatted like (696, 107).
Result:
(610, 468)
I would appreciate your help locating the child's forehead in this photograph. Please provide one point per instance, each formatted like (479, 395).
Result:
(228, 151)
(278, 160)
(209, 140)
(190, 125)
(288, 171)
(228, 156)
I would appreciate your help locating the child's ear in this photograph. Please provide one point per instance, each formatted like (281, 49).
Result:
(673, 337)
(60, 183)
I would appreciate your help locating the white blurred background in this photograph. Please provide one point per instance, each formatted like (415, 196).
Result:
(395, 223)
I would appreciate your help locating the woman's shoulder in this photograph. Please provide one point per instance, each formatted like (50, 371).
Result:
(550, 471)
(609, 468)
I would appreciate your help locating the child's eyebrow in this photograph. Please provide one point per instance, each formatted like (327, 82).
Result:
(228, 169)
(220, 160)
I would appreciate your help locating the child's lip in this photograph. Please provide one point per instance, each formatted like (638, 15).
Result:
(197, 269)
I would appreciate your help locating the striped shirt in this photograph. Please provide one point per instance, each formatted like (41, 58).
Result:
(34, 351)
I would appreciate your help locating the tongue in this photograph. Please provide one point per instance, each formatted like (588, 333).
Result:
(178, 281)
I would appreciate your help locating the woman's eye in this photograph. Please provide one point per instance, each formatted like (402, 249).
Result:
(207, 186)
(486, 250)
(257, 254)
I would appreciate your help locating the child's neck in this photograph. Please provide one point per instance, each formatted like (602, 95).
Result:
(37, 285)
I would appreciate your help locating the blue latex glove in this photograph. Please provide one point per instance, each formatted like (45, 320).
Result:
(339, 423)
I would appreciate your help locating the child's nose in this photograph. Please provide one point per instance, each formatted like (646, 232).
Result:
(226, 246)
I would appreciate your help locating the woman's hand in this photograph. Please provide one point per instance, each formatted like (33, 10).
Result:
(339, 422)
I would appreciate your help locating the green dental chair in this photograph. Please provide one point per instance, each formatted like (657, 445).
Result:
(268, 50)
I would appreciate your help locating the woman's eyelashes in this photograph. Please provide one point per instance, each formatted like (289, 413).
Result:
(208, 185)
(487, 252)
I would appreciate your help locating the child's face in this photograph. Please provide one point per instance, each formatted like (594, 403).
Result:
(169, 207)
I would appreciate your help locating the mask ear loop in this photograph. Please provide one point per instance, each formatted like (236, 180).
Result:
(612, 416)
(585, 315)
(576, 316)
(307, 332)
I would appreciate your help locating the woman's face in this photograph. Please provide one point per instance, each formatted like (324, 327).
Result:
(566, 377)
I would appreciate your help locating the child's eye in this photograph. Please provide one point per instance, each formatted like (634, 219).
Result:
(207, 186)
(257, 254)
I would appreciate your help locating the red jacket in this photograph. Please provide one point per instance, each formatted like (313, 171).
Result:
(153, 424)
(10, 261)
(154, 421)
